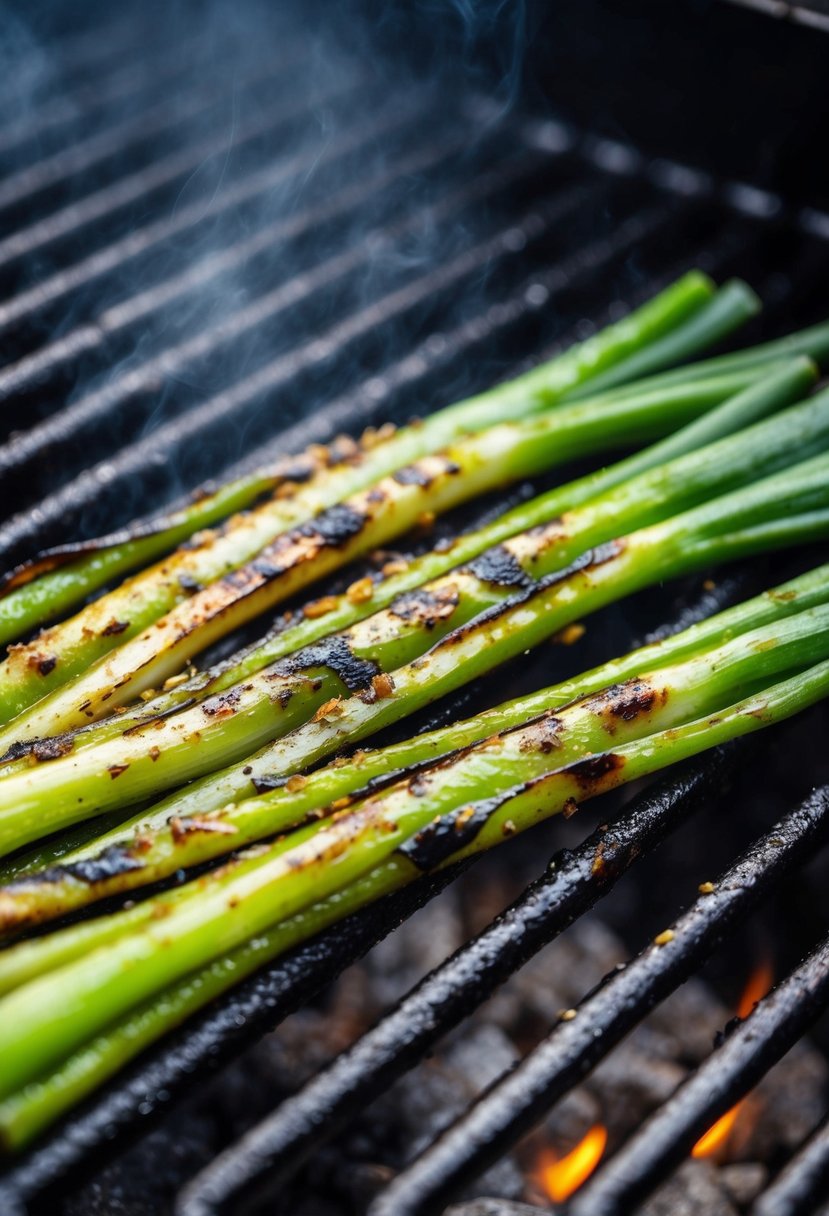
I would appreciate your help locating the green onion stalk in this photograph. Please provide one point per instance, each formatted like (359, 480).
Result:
(774, 385)
(65, 1029)
(29, 671)
(149, 849)
(434, 484)
(307, 693)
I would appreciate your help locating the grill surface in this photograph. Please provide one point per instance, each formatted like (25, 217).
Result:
(212, 252)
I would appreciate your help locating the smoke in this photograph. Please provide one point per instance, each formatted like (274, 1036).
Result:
(231, 212)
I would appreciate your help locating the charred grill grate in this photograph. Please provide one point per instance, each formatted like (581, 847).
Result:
(158, 290)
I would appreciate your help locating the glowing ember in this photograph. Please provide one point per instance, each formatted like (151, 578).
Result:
(716, 1138)
(561, 1176)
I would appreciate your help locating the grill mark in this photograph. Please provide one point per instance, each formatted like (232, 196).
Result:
(114, 628)
(44, 749)
(113, 862)
(417, 475)
(590, 772)
(426, 608)
(590, 560)
(334, 653)
(498, 567)
(448, 833)
(626, 701)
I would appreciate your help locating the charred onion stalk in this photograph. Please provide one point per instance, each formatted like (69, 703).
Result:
(675, 325)
(62, 1032)
(781, 382)
(497, 607)
(152, 848)
(678, 322)
(391, 506)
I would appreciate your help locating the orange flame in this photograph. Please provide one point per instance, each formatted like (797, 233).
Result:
(561, 1176)
(718, 1135)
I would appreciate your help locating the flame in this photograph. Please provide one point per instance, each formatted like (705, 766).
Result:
(561, 1176)
(758, 984)
(718, 1135)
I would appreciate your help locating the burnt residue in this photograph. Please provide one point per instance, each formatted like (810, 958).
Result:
(223, 704)
(334, 653)
(189, 584)
(111, 863)
(626, 702)
(47, 665)
(543, 735)
(114, 628)
(413, 475)
(417, 475)
(336, 525)
(42, 749)
(590, 560)
(181, 828)
(62, 555)
(592, 771)
(425, 608)
(446, 834)
(500, 568)
(54, 748)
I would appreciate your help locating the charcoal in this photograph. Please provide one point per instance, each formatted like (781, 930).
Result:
(744, 1181)
(694, 1190)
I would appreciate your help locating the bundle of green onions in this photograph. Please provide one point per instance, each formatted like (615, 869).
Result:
(740, 465)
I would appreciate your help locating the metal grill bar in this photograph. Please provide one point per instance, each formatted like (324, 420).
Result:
(165, 115)
(776, 1024)
(324, 273)
(118, 1112)
(167, 442)
(573, 883)
(573, 1048)
(143, 1090)
(121, 83)
(804, 1181)
(79, 52)
(16, 377)
(79, 419)
(88, 414)
(141, 241)
(104, 203)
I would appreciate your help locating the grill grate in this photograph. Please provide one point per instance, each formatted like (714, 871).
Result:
(185, 258)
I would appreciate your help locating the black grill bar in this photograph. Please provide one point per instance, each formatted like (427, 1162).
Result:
(324, 273)
(120, 1111)
(131, 80)
(117, 1114)
(161, 116)
(142, 240)
(776, 1024)
(94, 335)
(803, 1183)
(168, 441)
(573, 1048)
(573, 883)
(102, 204)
